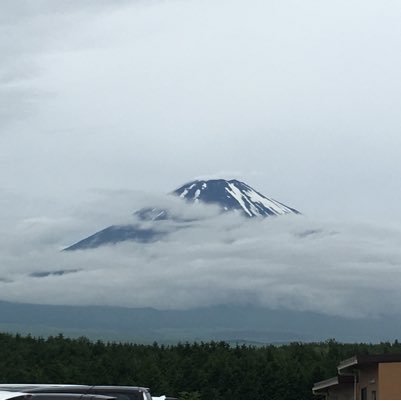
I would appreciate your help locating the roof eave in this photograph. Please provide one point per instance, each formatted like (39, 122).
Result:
(344, 366)
(324, 384)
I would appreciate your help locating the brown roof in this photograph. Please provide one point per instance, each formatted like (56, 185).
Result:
(333, 381)
(361, 360)
(346, 369)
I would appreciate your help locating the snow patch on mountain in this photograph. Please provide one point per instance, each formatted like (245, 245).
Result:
(233, 195)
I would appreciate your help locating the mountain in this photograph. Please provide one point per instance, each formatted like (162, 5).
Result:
(229, 196)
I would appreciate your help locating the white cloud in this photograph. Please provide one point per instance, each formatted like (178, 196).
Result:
(333, 267)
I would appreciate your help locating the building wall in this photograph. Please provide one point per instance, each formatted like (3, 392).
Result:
(389, 381)
(368, 378)
(343, 391)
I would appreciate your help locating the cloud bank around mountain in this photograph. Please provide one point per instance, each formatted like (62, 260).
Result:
(333, 267)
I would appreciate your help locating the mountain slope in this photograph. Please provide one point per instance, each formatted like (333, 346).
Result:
(115, 234)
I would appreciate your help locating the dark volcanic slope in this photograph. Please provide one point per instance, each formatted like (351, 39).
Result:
(115, 234)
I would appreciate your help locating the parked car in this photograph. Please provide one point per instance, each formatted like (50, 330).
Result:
(12, 395)
(119, 392)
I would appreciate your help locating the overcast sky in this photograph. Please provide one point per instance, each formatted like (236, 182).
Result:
(104, 104)
(300, 99)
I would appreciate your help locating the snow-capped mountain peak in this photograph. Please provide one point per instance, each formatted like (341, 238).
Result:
(232, 195)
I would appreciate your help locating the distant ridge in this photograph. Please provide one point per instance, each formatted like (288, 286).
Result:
(219, 322)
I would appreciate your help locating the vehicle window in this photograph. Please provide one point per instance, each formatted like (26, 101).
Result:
(60, 389)
(123, 395)
(119, 396)
(55, 396)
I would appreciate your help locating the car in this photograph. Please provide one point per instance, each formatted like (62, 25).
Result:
(119, 392)
(12, 395)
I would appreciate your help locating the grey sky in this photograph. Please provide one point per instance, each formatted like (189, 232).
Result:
(298, 98)
(105, 106)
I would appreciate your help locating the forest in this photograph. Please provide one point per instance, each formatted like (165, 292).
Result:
(204, 370)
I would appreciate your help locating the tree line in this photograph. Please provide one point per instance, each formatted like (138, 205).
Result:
(204, 370)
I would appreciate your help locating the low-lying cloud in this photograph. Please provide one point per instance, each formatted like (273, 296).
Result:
(334, 267)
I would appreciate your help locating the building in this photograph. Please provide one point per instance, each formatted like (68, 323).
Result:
(364, 377)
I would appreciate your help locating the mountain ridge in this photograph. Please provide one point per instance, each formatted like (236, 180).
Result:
(219, 322)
